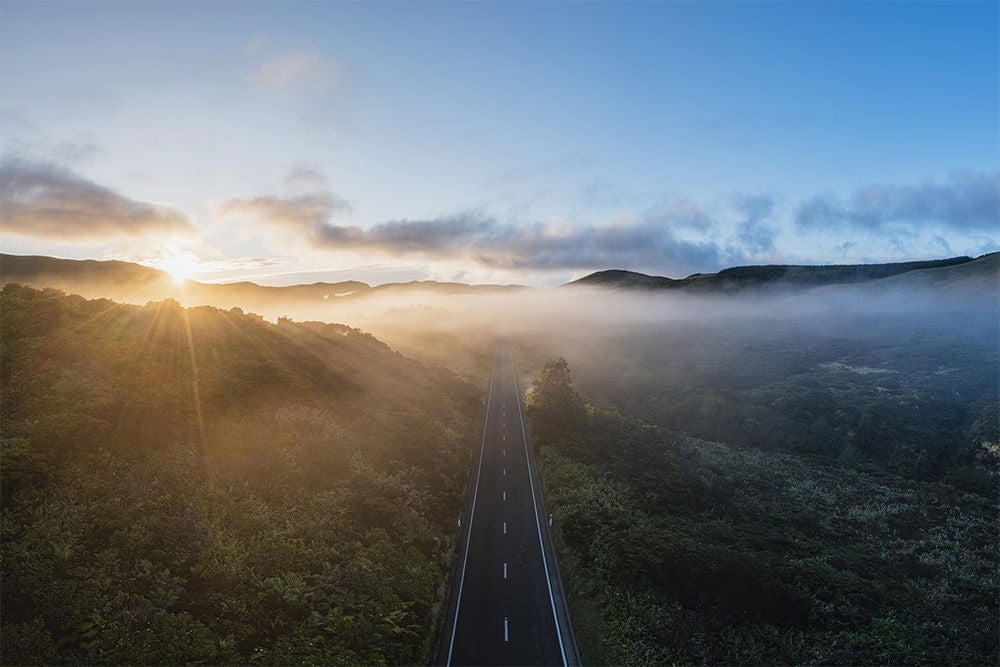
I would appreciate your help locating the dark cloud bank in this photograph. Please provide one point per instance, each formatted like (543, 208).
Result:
(48, 200)
(481, 237)
(967, 202)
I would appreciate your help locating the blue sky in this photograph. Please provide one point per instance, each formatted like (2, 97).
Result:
(512, 142)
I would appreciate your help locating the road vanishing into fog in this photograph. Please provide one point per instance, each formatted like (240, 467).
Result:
(507, 606)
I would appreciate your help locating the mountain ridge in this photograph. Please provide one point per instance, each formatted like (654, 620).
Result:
(32, 265)
(769, 275)
(129, 282)
(134, 283)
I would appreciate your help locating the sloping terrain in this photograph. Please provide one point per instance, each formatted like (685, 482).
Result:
(980, 277)
(770, 276)
(132, 283)
(197, 485)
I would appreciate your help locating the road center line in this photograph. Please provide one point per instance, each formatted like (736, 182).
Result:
(505, 635)
(505, 570)
(504, 527)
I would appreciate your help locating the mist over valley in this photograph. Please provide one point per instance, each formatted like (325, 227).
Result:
(511, 333)
(790, 456)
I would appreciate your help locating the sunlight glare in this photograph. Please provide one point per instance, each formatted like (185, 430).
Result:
(181, 265)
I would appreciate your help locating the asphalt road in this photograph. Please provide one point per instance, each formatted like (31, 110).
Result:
(506, 608)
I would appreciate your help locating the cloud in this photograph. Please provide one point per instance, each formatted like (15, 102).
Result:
(645, 244)
(437, 237)
(675, 237)
(601, 192)
(555, 245)
(309, 212)
(83, 150)
(968, 201)
(45, 199)
(297, 71)
(305, 179)
(682, 213)
(638, 244)
(753, 234)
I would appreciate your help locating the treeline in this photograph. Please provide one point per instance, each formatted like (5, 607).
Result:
(202, 486)
(675, 550)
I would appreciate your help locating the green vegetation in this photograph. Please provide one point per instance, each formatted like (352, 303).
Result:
(881, 391)
(679, 550)
(202, 486)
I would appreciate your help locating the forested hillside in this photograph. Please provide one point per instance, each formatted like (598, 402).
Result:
(202, 486)
(684, 551)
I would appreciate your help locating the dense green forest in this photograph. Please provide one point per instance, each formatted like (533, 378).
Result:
(902, 392)
(675, 550)
(202, 486)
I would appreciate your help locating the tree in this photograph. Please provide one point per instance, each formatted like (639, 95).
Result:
(555, 410)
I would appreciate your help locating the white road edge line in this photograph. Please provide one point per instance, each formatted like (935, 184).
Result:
(531, 484)
(472, 515)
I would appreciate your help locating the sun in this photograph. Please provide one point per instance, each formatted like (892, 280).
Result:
(180, 265)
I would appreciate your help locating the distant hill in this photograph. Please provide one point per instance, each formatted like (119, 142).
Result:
(982, 271)
(345, 301)
(65, 274)
(621, 279)
(981, 275)
(133, 283)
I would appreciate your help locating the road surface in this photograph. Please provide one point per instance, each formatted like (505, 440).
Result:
(504, 607)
